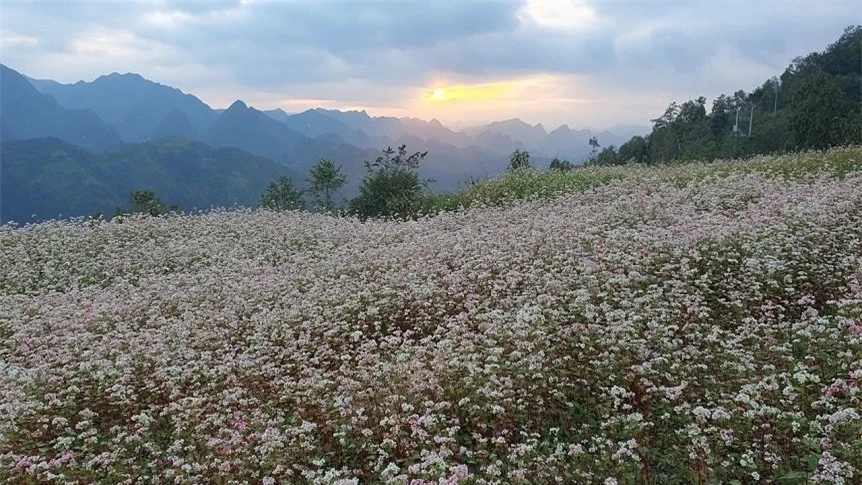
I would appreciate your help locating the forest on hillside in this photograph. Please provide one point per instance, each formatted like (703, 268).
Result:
(816, 103)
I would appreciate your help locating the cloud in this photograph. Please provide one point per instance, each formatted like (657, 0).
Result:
(389, 54)
(200, 6)
(561, 15)
(11, 40)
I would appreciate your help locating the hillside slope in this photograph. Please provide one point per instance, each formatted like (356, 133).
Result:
(27, 113)
(47, 177)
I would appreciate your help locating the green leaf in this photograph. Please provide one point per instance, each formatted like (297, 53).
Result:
(793, 476)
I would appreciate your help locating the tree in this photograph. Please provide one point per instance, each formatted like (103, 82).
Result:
(634, 150)
(561, 165)
(324, 180)
(281, 194)
(815, 103)
(608, 156)
(594, 143)
(693, 111)
(819, 112)
(519, 160)
(391, 187)
(723, 111)
(145, 202)
(667, 118)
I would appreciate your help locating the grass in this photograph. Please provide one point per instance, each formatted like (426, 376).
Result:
(533, 184)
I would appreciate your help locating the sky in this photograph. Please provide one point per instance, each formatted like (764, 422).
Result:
(585, 64)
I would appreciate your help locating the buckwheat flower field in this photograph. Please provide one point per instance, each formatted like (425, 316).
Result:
(689, 324)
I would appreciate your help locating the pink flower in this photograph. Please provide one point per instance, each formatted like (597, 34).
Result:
(240, 424)
(836, 387)
(575, 450)
(67, 456)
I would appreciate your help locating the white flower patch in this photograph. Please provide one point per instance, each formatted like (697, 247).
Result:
(705, 313)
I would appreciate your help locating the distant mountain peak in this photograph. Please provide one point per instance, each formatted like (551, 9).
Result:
(175, 124)
(511, 121)
(132, 75)
(28, 113)
(116, 76)
(238, 105)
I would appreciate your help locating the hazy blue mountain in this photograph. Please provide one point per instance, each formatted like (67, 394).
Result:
(6, 133)
(452, 167)
(434, 130)
(254, 131)
(360, 120)
(27, 113)
(497, 142)
(499, 137)
(567, 143)
(379, 128)
(247, 128)
(49, 177)
(277, 114)
(41, 84)
(176, 124)
(563, 142)
(529, 135)
(143, 110)
(606, 138)
(314, 123)
(133, 105)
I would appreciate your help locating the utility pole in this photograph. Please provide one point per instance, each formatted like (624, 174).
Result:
(736, 124)
(775, 88)
(750, 119)
(775, 107)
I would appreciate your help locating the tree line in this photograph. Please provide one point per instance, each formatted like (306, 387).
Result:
(816, 103)
(391, 188)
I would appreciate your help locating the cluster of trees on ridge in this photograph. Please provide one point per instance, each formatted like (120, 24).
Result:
(816, 103)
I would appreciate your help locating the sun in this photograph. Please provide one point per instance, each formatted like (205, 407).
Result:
(444, 94)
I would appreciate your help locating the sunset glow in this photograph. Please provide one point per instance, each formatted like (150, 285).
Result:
(463, 92)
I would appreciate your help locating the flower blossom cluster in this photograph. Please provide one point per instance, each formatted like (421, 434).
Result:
(640, 331)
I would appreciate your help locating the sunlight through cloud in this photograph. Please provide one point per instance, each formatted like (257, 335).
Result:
(563, 15)
(463, 92)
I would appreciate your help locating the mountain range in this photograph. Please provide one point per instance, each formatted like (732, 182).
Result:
(44, 178)
(104, 116)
